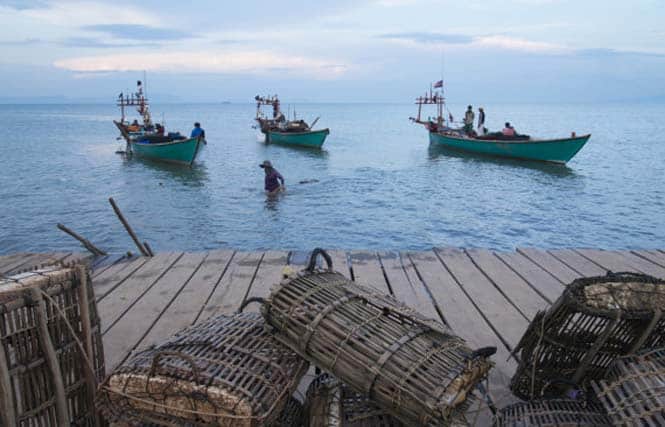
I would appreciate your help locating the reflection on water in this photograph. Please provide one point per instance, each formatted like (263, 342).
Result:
(436, 151)
(376, 185)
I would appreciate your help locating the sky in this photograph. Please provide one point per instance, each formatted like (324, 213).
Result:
(519, 51)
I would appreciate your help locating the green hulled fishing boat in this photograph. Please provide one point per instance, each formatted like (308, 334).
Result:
(549, 150)
(557, 150)
(278, 130)
(150, 140)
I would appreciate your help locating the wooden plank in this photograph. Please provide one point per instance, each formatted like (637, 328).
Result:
(367, 270)
(540, 280)
(7, 260)
(112, 307)
(527, 301)
(404, 289)
(115, 276)
(108, 262)
(31, 261)
(644, 265)
(655, 257)
(231, 290)
(420, 287)
(550, 264)
(340, 262)
(506, 321)
(577, 262)
(268, 274)
(184, 310)
(466, 321)
(616, 261)
(126, 334)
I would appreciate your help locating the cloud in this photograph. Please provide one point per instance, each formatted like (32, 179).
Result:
(514, 43)
(611, 53)
(504, 42)
(23, 4)
(91, 42)
(24, 42)
(257, 62)
(81, 13)
(429, 37)
(138, 32)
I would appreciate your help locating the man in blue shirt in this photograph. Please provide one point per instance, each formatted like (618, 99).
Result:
(198, 131)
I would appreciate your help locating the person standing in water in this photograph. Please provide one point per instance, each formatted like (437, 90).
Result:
(273, 179)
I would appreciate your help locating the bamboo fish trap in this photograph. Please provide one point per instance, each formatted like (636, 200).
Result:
(51, 354)
(595, 321)
(227, 371)
(412, 367)
(634, 391)
(292, 414)
(551, 413)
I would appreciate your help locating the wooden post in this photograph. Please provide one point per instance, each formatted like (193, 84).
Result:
(148, 248)
(86, 329)
(85, 242)
(51, 358)
(128, 228)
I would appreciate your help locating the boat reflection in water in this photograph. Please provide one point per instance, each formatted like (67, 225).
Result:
(437, 152)
(170, 172)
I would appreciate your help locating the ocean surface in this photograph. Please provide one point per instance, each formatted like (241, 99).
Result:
(379, 185)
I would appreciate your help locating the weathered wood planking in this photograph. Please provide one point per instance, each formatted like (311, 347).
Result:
(112, 307)
(576, 262)
(617, 261)
(543, 282)
(126, 334)
(184, 309)
(6, 261)
(231, 290)
(404, 289)
(550, 264)
(269, 273)
(466, 321)
(31, 261)
(113, 277)
(656, 257)
(367, 270)
(503, 317)
(511, 285)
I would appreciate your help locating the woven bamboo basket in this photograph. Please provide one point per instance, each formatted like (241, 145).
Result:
(292, 414)
(595, 321)
(552, 413)
(331, 403)
(634, 391)
(51, 354)
(227, 371)
(412, 367)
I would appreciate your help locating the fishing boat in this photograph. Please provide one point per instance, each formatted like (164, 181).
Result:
(557, 150)
(150, 140)
(279, 130)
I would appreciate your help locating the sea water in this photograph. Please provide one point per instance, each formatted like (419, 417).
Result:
(377, 184)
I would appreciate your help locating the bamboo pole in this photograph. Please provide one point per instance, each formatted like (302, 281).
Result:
(51, 357)
(85, 242)
(148, 248)
(128, 228)
(7, 414)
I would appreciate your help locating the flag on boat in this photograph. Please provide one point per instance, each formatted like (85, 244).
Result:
(438, 84)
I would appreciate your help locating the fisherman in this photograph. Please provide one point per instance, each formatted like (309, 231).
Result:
(468, 120)
(508, 130)
(481, 121)
(272, 180)
(198, 131)
(159, 129)
(134, 127)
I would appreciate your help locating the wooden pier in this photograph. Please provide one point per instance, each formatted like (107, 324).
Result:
(487, 297)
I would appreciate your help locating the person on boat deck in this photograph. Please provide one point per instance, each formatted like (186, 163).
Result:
(273, 179)
(134, 127)
(159, 129)
(508, 130)
(481, 121)
(198, 131)
(468, 120)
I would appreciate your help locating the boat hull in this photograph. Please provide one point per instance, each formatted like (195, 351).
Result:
(180, 152)
(553, 150)
(312, 139)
